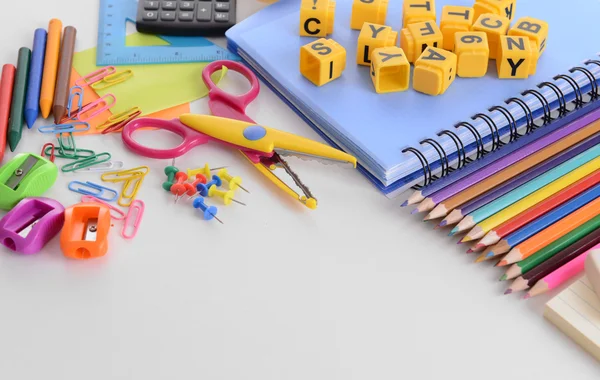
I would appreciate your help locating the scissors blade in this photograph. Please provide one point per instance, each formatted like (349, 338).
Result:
(312, 157)
(221, 109)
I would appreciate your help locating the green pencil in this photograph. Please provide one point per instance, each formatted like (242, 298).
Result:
(552, 249)
(17, 108)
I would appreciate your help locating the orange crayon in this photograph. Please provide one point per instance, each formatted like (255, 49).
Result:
(50, 67)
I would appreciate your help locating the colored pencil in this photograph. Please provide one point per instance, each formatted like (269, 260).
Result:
(531, 200)
(458, 214)
(32, 102)
(65, 65)
(17, 106)
(530, 278)
(502, 170)
(561, 275)
(7, 81)
(50, 67)
(549, 251)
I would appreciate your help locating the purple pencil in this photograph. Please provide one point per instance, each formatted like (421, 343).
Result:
(438, 197)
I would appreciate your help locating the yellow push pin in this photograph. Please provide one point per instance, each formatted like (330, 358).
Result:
(234, 182)
(204, 170)
(226, 195)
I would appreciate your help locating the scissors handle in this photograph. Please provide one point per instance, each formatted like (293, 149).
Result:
(190, 137)
(238, 102)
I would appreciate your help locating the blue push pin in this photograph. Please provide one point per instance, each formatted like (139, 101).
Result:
(210, 212)
(203, 189)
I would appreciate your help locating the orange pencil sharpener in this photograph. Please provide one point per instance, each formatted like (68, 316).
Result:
(85, 232)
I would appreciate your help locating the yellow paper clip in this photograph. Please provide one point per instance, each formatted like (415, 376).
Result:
(112, 79)
(120, 118)
(96, 76)
(131, 177)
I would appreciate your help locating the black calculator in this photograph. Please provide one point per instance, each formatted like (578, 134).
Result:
(185, 18)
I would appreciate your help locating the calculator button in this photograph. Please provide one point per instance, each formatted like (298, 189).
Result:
(204, 12)
(150, 16)
(186, 6)
(221, 17)
(151, 5)
(220, 7)
(186, 16)
(169, 5)
(167, 16)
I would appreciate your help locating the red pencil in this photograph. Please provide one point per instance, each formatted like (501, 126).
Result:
(6, 87)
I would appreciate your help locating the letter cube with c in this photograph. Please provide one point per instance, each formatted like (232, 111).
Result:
(514, 57)
(505, 8)
(473, 54)
(322, 61)
(415, 38)
(532, 28)
(435, 70)
(455, 19)
(494, 26)
(414, 11)
(317, 18)
(373, 11)
(371, 37)
(390, 70)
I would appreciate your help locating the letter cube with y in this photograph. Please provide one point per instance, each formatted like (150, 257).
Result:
(390, 70)
(455, 19)
(322, 61)
(435, 70)
(371, 37)
(317, 18)
(494, 26)
(373, 11)
(473, 54)
(414, 11)
(504, 8)
(514, 57)
(415, 38)
(532, 28)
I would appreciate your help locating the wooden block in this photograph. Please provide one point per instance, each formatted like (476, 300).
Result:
(473, 54)
(317, 18)
(435, 70)
(371, 37)
(322, 61)
(455, 19)
(415, 38)
(373, 11)
(390, 70)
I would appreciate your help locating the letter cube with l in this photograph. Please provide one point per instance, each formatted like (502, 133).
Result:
(417, 11)
(494, 26)
(514, 57)
(322, 61)
(317, 18)
(415, 38)
(455, 19)
(532, 28)
(435, 70)
(504, 8)
(373, 11)
(473, 54)
(390, 70)
(371, 37)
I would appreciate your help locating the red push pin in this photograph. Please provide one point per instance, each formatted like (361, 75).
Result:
(179, 188)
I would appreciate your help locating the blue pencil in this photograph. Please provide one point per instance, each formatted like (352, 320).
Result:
(36, 69)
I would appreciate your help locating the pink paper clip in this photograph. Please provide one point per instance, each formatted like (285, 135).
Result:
(137, 208)
(96, 76)
(96, 107)
(120, 215)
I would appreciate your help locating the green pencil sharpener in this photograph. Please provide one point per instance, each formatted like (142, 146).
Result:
(26, 175)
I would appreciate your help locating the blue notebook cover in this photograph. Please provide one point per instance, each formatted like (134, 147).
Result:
(376, 128)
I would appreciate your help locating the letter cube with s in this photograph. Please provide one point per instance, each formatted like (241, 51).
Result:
(435, 70)
(473, 54)
(455, 19)
(322, 61)
(415, 38)
(494, 26)
(515, 56)
(317, 18)
(390, 70)
(373, 11)
(418, 11)
(505, 8)
(371, 37)
(532, 28)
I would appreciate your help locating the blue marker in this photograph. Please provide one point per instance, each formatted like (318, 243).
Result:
(36, 69)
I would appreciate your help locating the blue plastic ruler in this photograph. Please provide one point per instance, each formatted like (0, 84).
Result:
(112, 51)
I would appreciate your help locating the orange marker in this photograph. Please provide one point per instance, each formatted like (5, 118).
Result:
(85, 232)
(50, 67)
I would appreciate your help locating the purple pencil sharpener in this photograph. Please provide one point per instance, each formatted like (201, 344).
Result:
(31, 224)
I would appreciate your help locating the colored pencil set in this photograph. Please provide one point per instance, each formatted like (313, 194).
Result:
(39, 82)
(535, 208)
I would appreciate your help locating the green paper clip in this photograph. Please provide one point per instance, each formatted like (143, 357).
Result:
(68, 146)
(86, 162)
(79, 154)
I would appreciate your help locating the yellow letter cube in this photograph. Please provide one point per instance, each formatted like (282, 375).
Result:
(504, 8)
(514, 57)
(371, 37)
(317, 18)
(390, 70)
(532, 28)
(374, 11)
(417, 11)
(435, 71)
(473, 54)
(494, 26)
(322, 61)
(455, 19)
(415, 38)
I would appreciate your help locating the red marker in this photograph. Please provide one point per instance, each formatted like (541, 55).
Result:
(6, 87)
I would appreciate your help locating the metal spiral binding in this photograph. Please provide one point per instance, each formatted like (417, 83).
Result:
(478, 140)
(495, 133)
(545, 105)
(590, 77)
(578, 95)
(424, 163)
(528, 114)
(512, 123)
(461, 153)
(443, 157)
(562, 101)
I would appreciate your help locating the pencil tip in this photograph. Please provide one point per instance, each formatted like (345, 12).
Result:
(467, 239)
(470, 250)
(490, 254)
(503, 278)
(508, 291)
(459, 242)
(454, 231)
(480, 259)
(527, 296)
(502, 263)
(404, 204)
(415, 211)
(443, 223)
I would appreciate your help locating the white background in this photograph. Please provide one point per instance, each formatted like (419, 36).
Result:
(357, 289)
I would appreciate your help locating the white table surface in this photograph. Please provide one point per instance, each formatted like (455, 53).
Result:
(357, 289)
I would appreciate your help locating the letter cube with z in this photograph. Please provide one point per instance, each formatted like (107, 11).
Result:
(435, 70)
(322, 61)
(371, 37)
(414, 11)
(473, 54)
(317, 18)
(390, 70)
(373, 11)
(494, 26)
(532, 28)
(455, 19)
(415, 38)
(505, 8)
(515, 56)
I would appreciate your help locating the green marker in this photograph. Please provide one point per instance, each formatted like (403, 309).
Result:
(17, 108)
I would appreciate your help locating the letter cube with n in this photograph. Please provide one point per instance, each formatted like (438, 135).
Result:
(455, 19)
(373, 11)
(371, 37)
(494, 26)
(415, 38)
(515, 56)
(435, 70)
(414, 11)
(537, 32)
(317, 18)
(390, 70)
(473, 54)
(322, 61)
(504, 8)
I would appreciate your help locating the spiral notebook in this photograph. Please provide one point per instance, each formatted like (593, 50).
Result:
(406, 138)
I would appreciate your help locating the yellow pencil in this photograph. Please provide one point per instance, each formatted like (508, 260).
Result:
(50, 67)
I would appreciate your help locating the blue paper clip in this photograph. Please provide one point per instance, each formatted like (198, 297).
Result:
(65, 128)
(75, 91)
(98, 191)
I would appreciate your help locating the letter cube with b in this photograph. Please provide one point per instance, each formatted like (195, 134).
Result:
(390, 70)
(515, 56)
(373, 11)
(415, 38)
(455, 19)
(504, 8)
(537, 32)
(317, 18)
(494, 26)
(371, 37)
(473, 54)
(435, 70)
(322, 61)
(414, 11)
